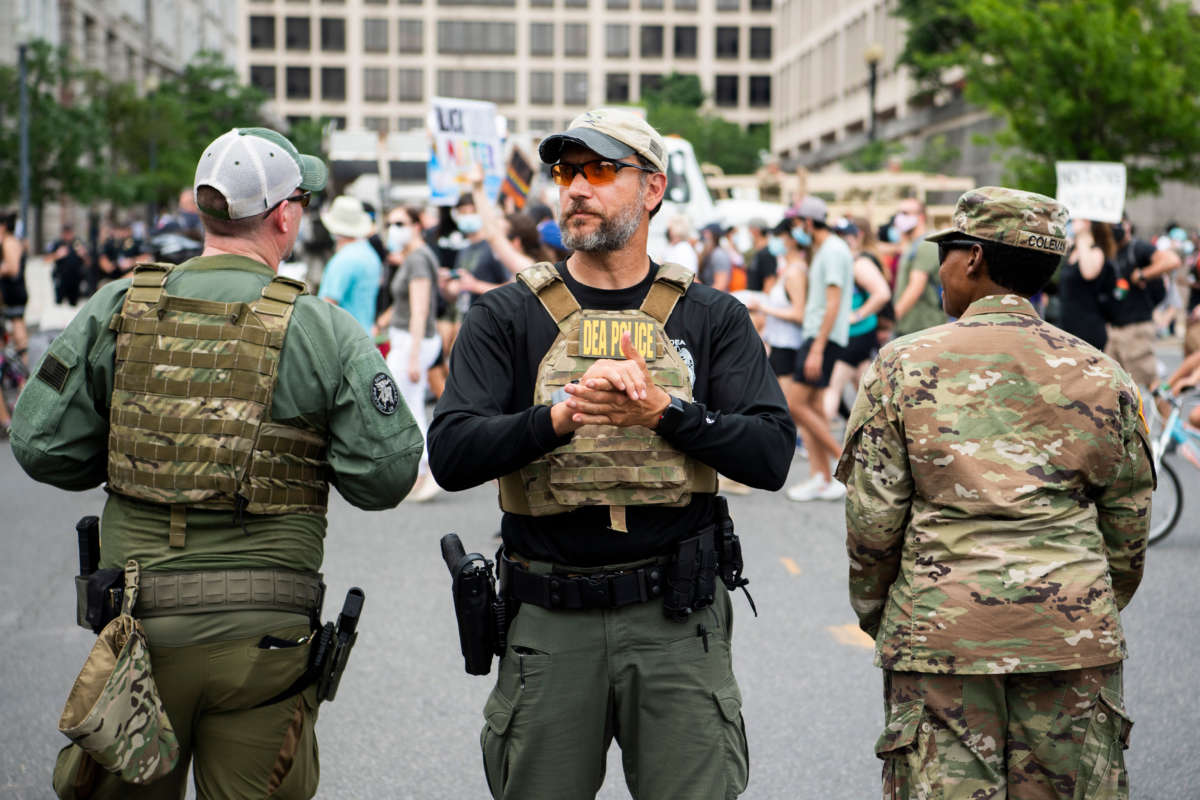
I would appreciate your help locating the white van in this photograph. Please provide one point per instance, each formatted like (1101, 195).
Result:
(687, 195)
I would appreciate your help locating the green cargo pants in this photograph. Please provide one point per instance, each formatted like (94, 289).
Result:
(209, 692)
(1036, 736)
(571, 681)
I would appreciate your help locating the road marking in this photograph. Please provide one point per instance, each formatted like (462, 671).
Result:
(851, 635)
(790, 566)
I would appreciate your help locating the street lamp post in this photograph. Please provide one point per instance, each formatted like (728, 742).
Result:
(23, 145)
(873, 55)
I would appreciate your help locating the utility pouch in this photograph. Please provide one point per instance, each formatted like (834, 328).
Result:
(692, 577)
(482, 621)
(730, 547)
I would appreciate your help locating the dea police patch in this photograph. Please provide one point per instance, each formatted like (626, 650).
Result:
(384, 393)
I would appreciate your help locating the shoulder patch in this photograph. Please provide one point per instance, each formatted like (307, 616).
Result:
(54, 373)
(384, 393)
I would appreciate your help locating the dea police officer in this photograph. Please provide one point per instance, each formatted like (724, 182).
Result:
(605, 393)
(998, 494)
(219, 401)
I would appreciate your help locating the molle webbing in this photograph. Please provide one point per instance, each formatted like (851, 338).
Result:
(189, 422)
(168, 593)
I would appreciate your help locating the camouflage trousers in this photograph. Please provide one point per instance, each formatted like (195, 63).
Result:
(210, 692)
(1041, 736)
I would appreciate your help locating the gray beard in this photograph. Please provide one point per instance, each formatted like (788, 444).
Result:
(613, 233)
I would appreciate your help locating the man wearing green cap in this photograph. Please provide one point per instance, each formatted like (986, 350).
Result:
(219, 401)
(998, 489)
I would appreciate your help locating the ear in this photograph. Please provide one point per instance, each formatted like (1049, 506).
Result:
(278, 218)
(656, 187)
(976, 267)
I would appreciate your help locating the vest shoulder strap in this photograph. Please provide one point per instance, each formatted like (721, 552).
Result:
(551, 291)
(279, 295)
(148, 283)
(670, 284)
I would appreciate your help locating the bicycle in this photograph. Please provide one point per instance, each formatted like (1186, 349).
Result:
(1174, 438)
(13, 373)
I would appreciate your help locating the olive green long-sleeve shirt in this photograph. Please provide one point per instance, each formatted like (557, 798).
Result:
(326, 371)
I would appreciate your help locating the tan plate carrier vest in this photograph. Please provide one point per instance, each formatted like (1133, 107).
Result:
(191, 398)
(605, 465)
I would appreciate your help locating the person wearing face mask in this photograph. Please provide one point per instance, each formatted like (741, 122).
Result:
(764, 264)
(410, 323)
(918, 304)
(478, 269)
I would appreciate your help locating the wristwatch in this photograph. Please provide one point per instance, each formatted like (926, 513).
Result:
(671, 418)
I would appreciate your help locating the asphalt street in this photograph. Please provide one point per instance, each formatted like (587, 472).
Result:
(406, 721)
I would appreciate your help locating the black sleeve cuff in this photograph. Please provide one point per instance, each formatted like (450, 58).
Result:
(543, 430)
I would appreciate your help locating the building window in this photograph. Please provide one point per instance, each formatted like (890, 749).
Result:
(411, 86)
(477, 38)
(376, 124)
(726, 93)
(649, 83)
(375, 84)
(760, 5)
(541, 38)
(616, 41)
(376, 2)
(375, 35)
(296, 33)
(685, 41)
(652, 5)
(477, 2)
(575, 3)
(299, 83)
(727, 41)
(541, 88)
(333, 34)
(409, 123)
(729, 5)
(575, 88)
(338, 123)
(541, 3)
(575, 39)
(263, 78)
(333, 83)
(616, 87)
(539, 125)
(617, 5)
(497, 86)
(760, 90)
(652, 41)
(685, 5)
(412, 36)
(262, 33)
(760, 43)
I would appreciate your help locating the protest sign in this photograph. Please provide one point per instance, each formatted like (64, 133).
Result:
(1092, 190)
(464, 134)
(517, 178)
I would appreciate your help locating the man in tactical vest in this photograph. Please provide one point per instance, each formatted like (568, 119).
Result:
(605, 393)
(219, 401)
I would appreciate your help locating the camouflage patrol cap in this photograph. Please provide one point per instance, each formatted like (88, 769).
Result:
(1009, 216)
(609, 133)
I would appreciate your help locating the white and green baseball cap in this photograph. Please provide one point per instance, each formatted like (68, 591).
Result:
(255, 169)
(609, 133)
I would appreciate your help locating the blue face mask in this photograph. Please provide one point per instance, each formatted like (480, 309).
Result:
(801, 236)
(775, 246)
(468, 223)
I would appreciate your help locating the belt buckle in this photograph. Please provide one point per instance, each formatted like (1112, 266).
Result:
(594, 591)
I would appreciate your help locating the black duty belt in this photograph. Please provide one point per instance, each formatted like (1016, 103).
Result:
(585, 592)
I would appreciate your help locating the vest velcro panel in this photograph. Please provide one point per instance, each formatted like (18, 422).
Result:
(192, 393)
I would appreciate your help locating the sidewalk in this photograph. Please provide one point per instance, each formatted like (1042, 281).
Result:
(42, 313)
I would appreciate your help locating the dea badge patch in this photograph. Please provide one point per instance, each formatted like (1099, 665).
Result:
(384, 393)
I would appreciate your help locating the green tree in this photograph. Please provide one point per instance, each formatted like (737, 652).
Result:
(309, 136)
(673, 108)
(1092, 81)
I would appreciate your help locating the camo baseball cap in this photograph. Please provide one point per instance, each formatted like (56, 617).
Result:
(255, 169)
(609, 133)
(1009, 216)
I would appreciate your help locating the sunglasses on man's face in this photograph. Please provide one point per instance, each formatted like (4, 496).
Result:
(597, 173)
(304, 198)
(945, 247)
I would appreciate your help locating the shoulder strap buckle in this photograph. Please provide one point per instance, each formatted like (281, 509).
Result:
(551, 291)
(670, 283)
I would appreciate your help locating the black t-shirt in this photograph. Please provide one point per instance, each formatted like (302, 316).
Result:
(72, 263)
(1138, 305)
(762, 267)
(125, 247)
(477, 259)
(485, 424)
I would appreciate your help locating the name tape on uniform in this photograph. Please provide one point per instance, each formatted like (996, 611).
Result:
(601, 337)
(1041, 241)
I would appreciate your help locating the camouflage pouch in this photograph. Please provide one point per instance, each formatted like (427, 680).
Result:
(114, 712)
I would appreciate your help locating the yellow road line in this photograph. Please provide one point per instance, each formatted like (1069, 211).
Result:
(790, 565)
(851, 635)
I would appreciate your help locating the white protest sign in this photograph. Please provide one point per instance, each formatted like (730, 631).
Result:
(464, 134)
(1092, 190)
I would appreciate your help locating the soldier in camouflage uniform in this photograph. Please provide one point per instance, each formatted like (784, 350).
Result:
(999, 483)
(605, 392)
(219, 401)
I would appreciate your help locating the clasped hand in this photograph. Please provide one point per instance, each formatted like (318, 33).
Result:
(612, 392)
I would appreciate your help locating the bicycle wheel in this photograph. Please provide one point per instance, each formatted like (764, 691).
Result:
(1166, 506)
